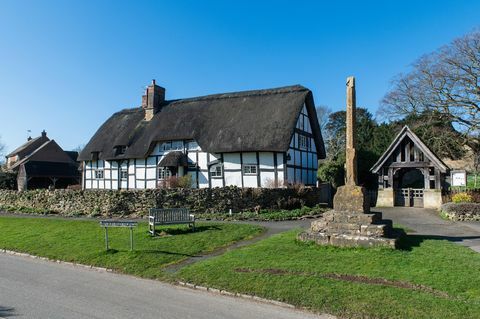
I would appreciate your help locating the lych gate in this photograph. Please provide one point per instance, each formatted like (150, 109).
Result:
(409, 173)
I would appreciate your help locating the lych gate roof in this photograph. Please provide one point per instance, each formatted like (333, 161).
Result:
(404, 133)
(262, 120)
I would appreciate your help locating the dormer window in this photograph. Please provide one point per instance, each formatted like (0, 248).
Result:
(120, 150)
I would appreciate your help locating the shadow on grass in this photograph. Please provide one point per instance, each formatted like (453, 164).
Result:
(7, 312)
(407, 242)
(185, 230)
(111, 251)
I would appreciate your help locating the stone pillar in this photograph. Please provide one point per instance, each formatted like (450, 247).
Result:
(351, 157)
(351, 197)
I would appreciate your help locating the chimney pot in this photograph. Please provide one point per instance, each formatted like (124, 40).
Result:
(44, 134)
(153, 100)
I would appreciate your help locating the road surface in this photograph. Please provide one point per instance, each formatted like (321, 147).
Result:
(34, 288)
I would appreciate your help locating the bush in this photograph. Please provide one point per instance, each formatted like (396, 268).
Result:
(462, 198)
(177, 182)
(8, 180)
(332, 172)
(461, 211)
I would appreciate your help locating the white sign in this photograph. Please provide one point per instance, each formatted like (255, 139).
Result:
(459, 178)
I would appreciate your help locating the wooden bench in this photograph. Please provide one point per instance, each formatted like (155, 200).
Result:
(169, 216)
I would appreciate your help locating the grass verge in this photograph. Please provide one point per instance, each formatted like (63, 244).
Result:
(83, 242)
(427, 278)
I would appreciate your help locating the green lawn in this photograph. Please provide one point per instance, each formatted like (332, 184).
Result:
(427, 278)
(83, 242)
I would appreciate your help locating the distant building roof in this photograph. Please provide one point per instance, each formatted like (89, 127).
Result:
(29, 146)
(49, 151)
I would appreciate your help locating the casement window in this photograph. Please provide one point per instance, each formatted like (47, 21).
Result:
(216, 171)
(171, 145)
(123, 174)
(192, 145)
(99, 174)
(177, 145)
(164, 173)
(120, 150)
(302, 141)
(249, 169)
(166, 146)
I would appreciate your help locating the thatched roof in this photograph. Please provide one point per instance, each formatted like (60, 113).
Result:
(174, 159)
(262, 120)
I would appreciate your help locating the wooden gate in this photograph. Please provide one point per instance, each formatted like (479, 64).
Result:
(409, 197)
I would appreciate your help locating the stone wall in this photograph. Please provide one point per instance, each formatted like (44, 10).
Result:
(136, 203)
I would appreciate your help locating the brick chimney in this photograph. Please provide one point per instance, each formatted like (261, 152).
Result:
(153, 100)
(44, 134)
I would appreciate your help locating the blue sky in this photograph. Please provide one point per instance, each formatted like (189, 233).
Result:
(66, 66)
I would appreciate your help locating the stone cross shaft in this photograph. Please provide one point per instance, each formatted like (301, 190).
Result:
(351, 156)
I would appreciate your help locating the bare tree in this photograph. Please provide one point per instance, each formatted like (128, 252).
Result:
(446, 81)
(2, 154)
(323, 113)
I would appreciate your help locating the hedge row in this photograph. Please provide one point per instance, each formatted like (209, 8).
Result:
(461, 211)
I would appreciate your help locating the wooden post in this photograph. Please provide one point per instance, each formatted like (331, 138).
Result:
(131, 238)
(407, 152)
(426, 175)
(106, 237)
(390, 177)
(438, 183)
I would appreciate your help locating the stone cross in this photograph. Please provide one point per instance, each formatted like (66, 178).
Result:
(351, 156)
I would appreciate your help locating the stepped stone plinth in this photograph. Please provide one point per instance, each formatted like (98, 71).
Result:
(351, 229)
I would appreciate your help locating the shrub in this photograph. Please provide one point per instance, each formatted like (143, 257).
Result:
(185, 181)
(462, 198)
(176, 182)
(461, 211)
(8, 180)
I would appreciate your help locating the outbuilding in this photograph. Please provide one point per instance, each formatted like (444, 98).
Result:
(42, 163)
(410, 174)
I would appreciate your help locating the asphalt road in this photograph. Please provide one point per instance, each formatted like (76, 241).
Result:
(33, 288)
(428, 222)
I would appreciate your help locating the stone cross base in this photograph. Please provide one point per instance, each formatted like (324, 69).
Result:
(351, 229)
(351, 198)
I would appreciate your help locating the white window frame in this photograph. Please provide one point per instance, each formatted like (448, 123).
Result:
(166, 146)
(178, 145)
(216, 171)
(302, 141)
(191, 145)
(123, 174)
(247, 169)
(97, 172)
(164, 173)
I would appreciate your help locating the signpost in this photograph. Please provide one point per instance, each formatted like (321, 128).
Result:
(459, 178)
(118, 223)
